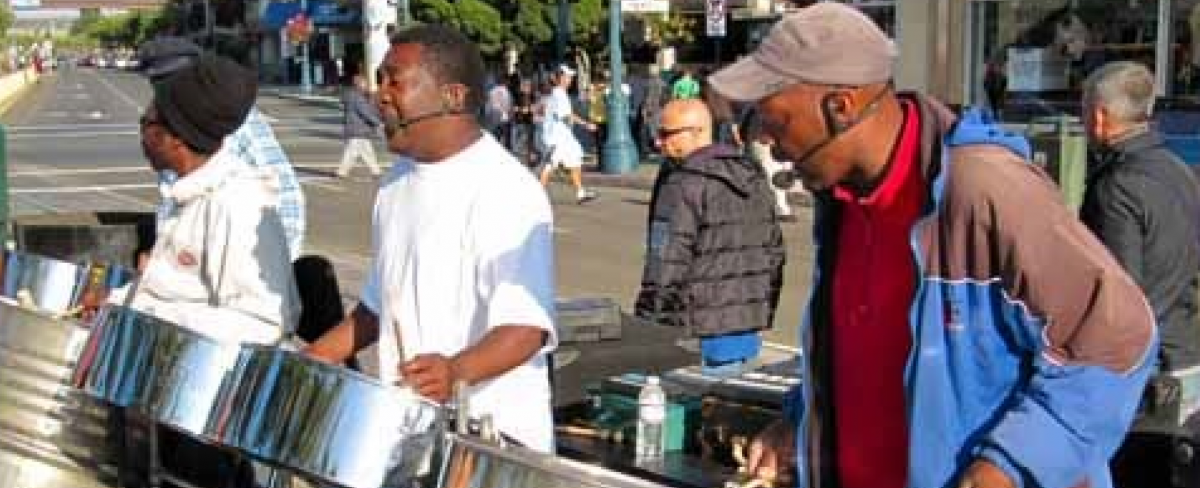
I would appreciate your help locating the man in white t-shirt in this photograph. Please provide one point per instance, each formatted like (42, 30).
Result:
(558, 138)
(462, 283)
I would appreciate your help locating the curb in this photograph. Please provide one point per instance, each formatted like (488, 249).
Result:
(7, 102)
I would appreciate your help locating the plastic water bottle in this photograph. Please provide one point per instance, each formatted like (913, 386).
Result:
(652, 413)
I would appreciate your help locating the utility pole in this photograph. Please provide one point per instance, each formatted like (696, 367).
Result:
(305, 69)
(377, 16)
(620, 155)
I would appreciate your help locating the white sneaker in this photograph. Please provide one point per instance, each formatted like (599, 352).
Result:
(586, 196)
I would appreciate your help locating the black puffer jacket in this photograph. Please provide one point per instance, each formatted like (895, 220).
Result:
(1144, 205)
(715, 254)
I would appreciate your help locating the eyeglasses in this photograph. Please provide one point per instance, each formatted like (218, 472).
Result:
(665, 133)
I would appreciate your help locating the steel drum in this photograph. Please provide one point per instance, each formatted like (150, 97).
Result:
(471, 462)
(50, 434)
(330, 424)
(170, 374)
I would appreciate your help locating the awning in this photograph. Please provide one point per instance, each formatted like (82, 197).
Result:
(322, 12)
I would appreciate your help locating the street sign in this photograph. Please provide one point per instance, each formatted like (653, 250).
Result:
(714, 15)
(645, 6)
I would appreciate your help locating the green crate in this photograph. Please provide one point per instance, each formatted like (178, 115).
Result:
(618, 412)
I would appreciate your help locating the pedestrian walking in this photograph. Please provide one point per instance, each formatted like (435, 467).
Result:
(562, 148)
(361, 122)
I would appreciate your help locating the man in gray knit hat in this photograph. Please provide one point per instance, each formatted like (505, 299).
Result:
(254, 140)
(220, 265)
(955, 337)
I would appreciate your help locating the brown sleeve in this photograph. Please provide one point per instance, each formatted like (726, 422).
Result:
(1021, 231)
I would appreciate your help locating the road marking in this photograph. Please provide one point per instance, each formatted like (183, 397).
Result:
(130, 169)
(120, 93)
(82, 189)
(67, 127)
(130, 200)
(74, 135)
(33, 202)
(120, 186)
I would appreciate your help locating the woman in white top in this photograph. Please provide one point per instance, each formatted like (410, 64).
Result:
(558, 138)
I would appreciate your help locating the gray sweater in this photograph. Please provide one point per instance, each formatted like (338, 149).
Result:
(361, 115)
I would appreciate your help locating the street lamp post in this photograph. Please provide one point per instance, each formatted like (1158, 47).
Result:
(305, 75)
(620, 156)
(562, 33)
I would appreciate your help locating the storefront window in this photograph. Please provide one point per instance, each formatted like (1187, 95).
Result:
(1029, 58)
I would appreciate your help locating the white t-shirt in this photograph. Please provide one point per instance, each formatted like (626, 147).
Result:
(462, 246)
(557, 135)
(221, 264)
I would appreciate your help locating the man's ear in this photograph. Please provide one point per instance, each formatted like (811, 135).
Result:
(454, 98)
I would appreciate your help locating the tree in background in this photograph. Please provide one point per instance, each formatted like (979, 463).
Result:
(6, 19)
(671, 29)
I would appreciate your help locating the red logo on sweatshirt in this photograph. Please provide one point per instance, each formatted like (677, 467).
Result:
(186, 258)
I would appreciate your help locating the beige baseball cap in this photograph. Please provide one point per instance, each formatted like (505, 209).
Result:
(826, 43)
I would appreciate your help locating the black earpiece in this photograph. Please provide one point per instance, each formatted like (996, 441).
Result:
(830, 106)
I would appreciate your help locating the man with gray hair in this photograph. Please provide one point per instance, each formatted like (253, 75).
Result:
(1143, 203)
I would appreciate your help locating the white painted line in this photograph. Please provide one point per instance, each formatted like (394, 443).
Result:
(146, 168)
(81, 171)
(316, 181)
(138, 202)
(67, 127)
(83, 189)
(120, 94)
(73, 135)
(33, 202)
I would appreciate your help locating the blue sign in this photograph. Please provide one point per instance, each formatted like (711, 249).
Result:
(321, 12)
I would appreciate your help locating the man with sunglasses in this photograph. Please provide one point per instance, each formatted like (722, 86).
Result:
(965, 328)
(714, 259)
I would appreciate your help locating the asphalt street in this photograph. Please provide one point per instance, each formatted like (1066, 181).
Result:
(73, 146)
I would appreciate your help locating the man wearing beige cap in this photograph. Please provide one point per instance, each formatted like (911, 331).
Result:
(965, 329)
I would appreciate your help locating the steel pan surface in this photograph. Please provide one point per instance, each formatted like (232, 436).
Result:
(53, 286)
(329, 423)
(171, 374)
(40, 412)
(469, 462)
(25, 467)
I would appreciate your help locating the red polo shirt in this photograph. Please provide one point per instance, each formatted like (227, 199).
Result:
(873, 285)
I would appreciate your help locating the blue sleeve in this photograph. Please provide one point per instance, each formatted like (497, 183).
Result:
(1069, 418)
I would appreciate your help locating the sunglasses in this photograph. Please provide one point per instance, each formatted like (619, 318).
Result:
(665, 133)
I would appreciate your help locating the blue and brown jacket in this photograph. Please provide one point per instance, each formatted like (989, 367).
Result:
(1030, 344)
